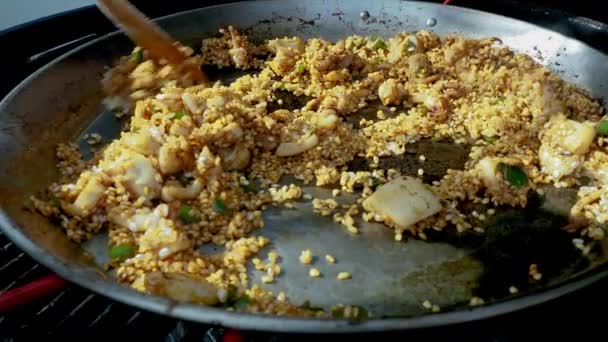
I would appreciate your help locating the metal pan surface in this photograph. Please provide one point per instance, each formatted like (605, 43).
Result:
(60, 103)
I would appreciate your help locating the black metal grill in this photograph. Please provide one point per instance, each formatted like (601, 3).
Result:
(77, 314)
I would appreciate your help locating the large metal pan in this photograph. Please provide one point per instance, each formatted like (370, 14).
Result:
(60, 102)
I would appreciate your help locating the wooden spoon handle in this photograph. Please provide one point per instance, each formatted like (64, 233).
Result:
(146, 34)
(141, 30)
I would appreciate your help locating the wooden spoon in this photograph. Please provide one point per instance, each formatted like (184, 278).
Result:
(147, 34)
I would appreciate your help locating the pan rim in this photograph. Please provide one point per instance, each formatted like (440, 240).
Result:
(219, 316)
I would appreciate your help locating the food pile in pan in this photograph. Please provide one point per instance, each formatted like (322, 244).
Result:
(199, 163)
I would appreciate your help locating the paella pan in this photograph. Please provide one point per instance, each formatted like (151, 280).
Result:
(522, 248)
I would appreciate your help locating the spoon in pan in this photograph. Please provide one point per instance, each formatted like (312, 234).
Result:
(147, 34)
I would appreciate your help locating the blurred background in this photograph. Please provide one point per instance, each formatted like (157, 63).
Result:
(15, 12)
